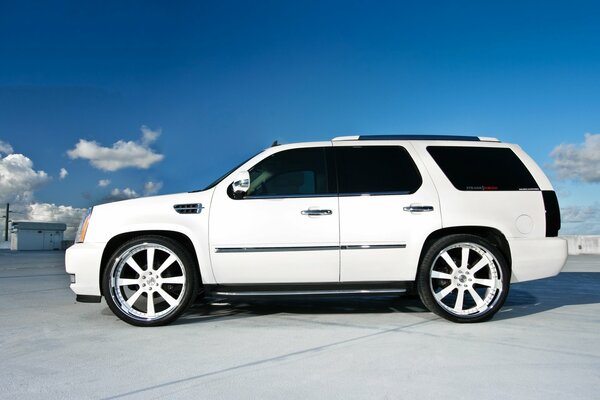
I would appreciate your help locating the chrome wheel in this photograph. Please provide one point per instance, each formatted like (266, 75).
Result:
(148, 282)
(466, 279)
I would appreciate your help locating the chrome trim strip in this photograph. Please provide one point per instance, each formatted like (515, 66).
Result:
(373, 246)
(310, 292)
(272, 249)
(291, 196)
(308, 248)
(315, 212)
(418, 209)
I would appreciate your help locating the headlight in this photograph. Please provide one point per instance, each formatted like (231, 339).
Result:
(83, 225)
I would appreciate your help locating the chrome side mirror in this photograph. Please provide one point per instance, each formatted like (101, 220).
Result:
(241, 184)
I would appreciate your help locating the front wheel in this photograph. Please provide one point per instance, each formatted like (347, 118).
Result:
(463, 278)
(149, 281)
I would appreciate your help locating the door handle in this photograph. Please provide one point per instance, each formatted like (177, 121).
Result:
(418, 209)
(311, 212)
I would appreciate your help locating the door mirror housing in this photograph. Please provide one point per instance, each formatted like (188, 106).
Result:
(241, 184)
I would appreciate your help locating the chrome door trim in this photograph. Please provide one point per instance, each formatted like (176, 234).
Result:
(272, 249)
(373, 246)
(311, 212)
(308, 248)
(418, 209)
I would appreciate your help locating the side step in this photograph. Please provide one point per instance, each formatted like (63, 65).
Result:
(309, 292)
(328, 289)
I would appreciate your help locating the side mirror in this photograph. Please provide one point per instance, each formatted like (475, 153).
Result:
(241, 184)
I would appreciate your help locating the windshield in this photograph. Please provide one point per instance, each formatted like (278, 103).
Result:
(226, 174)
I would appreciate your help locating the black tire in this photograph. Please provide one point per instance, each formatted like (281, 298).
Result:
(469, 291)
(149, 297)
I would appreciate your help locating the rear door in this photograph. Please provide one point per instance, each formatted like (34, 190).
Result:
(388, 206)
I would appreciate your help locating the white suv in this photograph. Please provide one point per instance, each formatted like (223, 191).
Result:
(455, 218)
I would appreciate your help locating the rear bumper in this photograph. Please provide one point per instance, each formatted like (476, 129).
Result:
(537, 258)
(83, 260)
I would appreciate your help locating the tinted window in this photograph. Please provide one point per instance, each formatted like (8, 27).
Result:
(376, 169)
(483, 168)
(291, 173)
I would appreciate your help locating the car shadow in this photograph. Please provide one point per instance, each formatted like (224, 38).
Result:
(226, 309)
(527, 298)
(566, 289)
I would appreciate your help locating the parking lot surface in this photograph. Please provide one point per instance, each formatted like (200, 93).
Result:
(544, 344)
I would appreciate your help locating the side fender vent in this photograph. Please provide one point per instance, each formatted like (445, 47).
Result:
(195, 208)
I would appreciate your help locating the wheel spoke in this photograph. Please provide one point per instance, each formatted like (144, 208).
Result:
(449, 260)
(133, 264)
(485, 282)
(480, 264)
(445, 292)
(127, 282)
(440, 275)
(458, 306)
(179, 280)
(150, 259)
(478, 300)
(172, 302)
(134, 297)
(166, 264)
(150, 308)
(464, 261)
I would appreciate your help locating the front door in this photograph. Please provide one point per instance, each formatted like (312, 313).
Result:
(285, 230)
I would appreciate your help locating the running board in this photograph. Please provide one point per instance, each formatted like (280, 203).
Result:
(309, 292)
(309, 289)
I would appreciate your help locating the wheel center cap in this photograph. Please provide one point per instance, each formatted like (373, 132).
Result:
(462, 278)
(151, 281)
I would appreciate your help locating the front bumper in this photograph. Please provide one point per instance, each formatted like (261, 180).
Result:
(537, 258)
(83, 261)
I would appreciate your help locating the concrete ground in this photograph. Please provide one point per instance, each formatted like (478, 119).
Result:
(544, 344)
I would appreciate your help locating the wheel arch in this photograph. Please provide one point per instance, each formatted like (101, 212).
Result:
(492, 235)
(116, 241)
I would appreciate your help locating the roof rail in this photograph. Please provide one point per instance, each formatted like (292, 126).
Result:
(417, 137)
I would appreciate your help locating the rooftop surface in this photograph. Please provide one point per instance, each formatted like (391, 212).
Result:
(544, 344)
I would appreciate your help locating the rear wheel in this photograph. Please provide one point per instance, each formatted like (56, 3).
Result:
(463, 278)
(149, 281)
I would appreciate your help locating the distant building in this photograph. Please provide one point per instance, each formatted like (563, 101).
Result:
(37, 235)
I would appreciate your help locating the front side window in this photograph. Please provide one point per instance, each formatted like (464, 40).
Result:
(296, 172)
(376, 170)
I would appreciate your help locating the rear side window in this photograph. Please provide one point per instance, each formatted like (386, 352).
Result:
(376, 170)
(483, 168)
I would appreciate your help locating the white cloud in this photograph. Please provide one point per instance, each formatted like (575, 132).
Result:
(104, 182)
(122, 154)
(118, 194)
(148, 135)
(578, 162)
(63, 173)
(45, 212)
(151, 188)
(18, 179)
(5, 148)
(580, 220)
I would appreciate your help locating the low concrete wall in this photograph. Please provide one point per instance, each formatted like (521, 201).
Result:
(583, 244)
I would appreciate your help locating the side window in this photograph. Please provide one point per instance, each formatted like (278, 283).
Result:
(296, 172)
(483, 168)
(376, 170)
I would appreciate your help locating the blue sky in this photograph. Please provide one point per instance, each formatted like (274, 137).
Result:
(221, 80)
